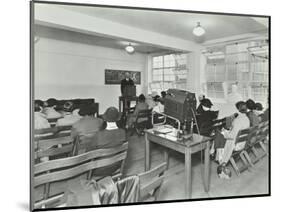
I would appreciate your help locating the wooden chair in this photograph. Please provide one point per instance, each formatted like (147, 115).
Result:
(150, 183)
(52, 132)
(143, 121)
(257, 139)
(52, 142)
(242, 136)
(63, 169)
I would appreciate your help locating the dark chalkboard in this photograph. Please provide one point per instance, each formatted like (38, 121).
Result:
(114, 77)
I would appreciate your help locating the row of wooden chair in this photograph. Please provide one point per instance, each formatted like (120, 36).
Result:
(253, 138)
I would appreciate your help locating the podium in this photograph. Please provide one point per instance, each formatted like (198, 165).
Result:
(123, 107)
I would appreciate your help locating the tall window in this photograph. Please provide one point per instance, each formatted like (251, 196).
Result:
(244, 64)
(169, 71)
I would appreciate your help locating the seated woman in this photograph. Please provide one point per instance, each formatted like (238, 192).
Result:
(206, 117)
(40, 121)
(68, 117)
(159, 107)
(141, 105)
(50, 111)
(226, 145)
(253, 117)
(199, 109)
(88, 125)
(111, 136)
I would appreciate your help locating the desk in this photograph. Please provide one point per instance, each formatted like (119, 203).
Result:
(126, 99)
(195, 144)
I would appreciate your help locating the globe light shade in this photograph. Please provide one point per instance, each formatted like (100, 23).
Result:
(130, 49)
(198, 30)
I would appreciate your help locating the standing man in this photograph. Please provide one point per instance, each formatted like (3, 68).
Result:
(127, 81)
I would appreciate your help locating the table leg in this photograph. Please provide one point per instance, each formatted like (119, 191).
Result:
(207, 167)
(147, 153)
(166, 158)
(187, 171)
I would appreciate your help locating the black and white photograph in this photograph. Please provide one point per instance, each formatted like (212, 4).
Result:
(138, 105)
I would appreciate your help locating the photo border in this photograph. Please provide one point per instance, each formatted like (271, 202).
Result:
(31, 90)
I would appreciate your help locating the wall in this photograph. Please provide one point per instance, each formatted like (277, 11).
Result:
(74, 70)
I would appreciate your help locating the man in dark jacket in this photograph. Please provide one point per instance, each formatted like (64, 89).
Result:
(127, 81)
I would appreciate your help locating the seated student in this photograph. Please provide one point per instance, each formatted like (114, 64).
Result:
(141, 105)
(149, 100)
(110, 137)
(254, 119)
(258, 110)
(226, 146)
(199, 109)
(159, 107)
(206, 117)
(40, 121)
(88, 124)
(68, 117)
(50, 111)
(163, 96)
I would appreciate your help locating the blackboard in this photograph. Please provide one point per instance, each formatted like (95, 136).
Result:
(114, 77)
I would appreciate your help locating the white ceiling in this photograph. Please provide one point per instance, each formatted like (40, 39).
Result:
(66, 35)
(177, 24)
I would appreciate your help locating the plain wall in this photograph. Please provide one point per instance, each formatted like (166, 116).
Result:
(73, 70)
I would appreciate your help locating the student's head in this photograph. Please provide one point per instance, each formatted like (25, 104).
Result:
(127, 75)
(259, 106)
(141, 98)
(38, 105)
(156, 98)
(68, 106)
(251, 105)
(241, 107)
(206, 104)
(52, 102)
(163, 94)
(87, 110)
(201, 97)
(111, 115)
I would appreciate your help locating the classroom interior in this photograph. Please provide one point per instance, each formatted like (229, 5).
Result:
(74, 45)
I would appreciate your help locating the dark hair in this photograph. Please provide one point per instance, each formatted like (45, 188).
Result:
(156, 98)
(51, 102)
(38, 105)
(259, 106)
(87, 110)
(251, 105)
(163, 94)
(241, 107)
(68, 106)
(141, 98)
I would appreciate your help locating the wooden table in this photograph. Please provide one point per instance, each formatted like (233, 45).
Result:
(126, 99)
(195, 144)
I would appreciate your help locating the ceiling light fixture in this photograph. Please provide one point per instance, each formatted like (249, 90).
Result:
(198, 30)
(130, 49)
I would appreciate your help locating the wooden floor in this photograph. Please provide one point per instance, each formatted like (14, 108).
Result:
(248, 183)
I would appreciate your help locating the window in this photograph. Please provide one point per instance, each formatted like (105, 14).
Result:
(244, 64)
(169, 71)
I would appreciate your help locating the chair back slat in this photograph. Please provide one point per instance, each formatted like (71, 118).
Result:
(71, 161)
(48, 143)
(55, 151)
(78, 169)
(152, 180)
(52, 132)
(243, 135)
(144, 113)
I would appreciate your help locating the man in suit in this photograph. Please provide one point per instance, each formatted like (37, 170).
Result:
(127, 81)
